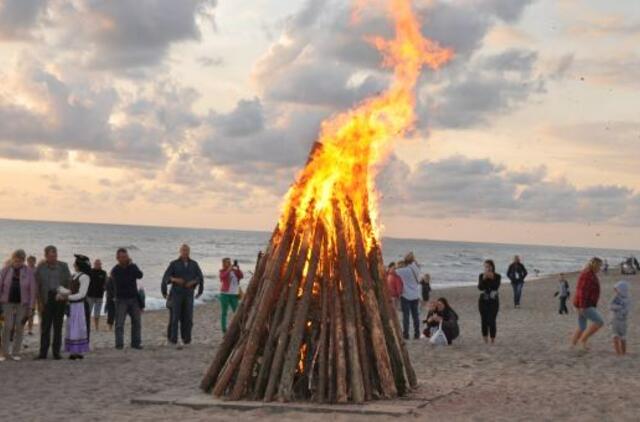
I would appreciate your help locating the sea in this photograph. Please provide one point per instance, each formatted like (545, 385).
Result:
(450, 264)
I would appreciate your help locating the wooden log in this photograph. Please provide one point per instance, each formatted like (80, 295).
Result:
(331, 352)
(365, 362)
(229, 369)
(285, 391)
(383, 362)
(283, 330)
(391, 336)
(263, 307)
(234, 330)
(324, 329)
(377, 265)
(340, 360)
(348, 296)
(270, 347)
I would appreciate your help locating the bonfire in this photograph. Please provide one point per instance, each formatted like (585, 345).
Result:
(316, 322)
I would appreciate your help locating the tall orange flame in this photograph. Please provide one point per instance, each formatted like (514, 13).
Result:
(340, 168)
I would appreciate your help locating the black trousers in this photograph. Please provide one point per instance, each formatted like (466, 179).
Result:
(52, 317)
(563, 306)
(488, 314)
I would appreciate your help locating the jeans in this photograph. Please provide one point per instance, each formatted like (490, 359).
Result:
(410, 308)
(488, 314)
(563, 306)
(52, 316)
(14, 313)
(227, 301)
(129, 307)
(181, 316)
(517, 292)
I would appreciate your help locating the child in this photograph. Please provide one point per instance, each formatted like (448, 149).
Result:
(563, 294)
(619, 311)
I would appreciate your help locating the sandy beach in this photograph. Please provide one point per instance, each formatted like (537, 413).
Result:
(530, 374)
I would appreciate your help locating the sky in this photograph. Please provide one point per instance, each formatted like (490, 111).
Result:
(200, 113)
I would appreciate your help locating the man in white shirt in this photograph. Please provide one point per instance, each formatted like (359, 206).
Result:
(410, 299)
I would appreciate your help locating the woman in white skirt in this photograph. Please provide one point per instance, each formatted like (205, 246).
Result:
(76, 341)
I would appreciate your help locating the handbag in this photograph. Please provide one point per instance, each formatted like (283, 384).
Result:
(439, 338)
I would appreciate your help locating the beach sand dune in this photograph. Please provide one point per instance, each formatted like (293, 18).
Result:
(530, 374)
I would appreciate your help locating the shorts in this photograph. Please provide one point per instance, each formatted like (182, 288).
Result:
(619, 329)
(95, 306)
(589, 314)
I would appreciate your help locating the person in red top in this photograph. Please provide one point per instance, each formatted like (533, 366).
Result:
(394, 283)
(230, 276)
(586, 302)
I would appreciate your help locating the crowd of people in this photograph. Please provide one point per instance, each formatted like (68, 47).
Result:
(54, 291)
(407, 286)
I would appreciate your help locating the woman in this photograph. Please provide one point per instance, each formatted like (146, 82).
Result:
(18, 297)
(442, 312)
(76, 341)
(394, 284)
(586, 301)
(489, 303)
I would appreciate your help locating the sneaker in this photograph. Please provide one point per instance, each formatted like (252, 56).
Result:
(16, 358)
(179, 346)
(137, 347)
(40, 357)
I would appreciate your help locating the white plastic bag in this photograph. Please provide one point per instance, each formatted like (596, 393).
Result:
(438, 338)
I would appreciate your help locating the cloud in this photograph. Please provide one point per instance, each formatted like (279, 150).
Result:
(122, 35)
(469, 188)
(18, 17)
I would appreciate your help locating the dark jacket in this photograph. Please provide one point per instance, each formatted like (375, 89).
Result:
(517, 273)
(125, 281)
(489, 288)
(189, 271)
(97, 284)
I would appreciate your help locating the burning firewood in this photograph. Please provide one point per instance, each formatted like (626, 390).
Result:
(316, 322)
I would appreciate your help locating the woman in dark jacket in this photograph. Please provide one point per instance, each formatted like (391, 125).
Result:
(489, 303)
(442, 312)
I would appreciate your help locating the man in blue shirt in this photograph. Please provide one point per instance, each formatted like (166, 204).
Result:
(184, 275)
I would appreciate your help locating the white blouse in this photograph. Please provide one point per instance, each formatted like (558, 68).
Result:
(84, 281)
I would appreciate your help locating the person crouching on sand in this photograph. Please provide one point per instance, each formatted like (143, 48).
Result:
(563, 294)
(441, 314)
(619, 308)
(586, 302)
(230, 276)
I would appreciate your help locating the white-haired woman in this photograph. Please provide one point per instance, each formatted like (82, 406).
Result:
(18, 297)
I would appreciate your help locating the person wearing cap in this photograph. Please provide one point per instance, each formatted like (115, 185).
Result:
(619, 308)
(76, 341)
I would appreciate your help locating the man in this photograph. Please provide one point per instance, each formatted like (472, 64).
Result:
(184, 275)
(517, 273)
(50, 275)
(95, 293)
(230, 276)
(31, 263)
(411, 292)
(125, 276)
